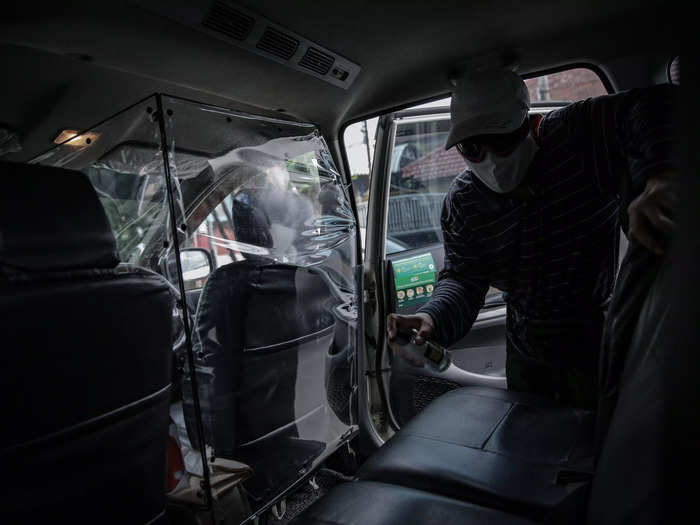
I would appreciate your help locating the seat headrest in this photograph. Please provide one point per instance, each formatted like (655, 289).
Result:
(52, 219)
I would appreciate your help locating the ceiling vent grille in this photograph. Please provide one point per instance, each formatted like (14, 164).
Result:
(278, 43)
(317, 61)
(229, 21)
(239, 26)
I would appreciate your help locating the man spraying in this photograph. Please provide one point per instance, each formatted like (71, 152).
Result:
(537, 214)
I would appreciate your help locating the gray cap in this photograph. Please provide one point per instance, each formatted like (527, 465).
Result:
(487, 102)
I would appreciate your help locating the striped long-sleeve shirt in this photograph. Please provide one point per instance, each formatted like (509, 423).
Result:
(554, 253)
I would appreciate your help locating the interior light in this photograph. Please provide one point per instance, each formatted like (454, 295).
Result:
(71, 137)
(65, 135)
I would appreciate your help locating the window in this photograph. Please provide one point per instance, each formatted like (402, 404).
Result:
(273, 206)
(420, 174)
(565, 86)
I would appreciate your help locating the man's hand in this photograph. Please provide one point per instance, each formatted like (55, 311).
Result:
(651, 214)
(398, 325)
(399, 330)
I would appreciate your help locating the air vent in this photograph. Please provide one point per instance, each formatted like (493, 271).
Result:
(317, 61)
(242, 27)
(278, 43)
(229, 21)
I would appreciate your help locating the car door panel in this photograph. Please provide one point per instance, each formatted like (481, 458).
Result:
(478, 359)
(417, 184)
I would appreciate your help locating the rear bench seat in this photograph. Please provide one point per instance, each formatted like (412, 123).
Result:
(368, 502)
(515, 453)
(502, 449)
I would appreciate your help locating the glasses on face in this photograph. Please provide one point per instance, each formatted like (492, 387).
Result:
(474, 148)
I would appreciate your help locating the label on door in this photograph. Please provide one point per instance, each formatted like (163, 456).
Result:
(414, 279)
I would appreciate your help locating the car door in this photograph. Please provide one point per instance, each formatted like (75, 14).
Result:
(416, 172)
(410, 175)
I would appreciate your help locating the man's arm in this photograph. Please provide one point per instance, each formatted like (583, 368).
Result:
(630, 143)
(461, 288)
(459, 294)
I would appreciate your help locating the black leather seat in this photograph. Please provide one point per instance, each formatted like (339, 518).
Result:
(638, 474)
(255, 323)
(266, 341)
(85, 357)
(508, 450)
(511, 450)
(370, 503)
(458, 442)
(648, 438)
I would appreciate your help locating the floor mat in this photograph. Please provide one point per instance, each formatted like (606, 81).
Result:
(312, 490)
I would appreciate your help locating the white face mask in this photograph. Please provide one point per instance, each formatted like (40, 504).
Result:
(503, 174)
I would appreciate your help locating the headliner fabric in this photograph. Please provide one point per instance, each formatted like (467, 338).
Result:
(39, 227)
(77, 89)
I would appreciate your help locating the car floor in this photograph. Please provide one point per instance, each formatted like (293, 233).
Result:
(312, 490)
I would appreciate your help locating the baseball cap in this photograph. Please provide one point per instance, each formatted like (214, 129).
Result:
(487, 102)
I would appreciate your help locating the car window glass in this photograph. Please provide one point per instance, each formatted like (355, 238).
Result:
(565, 86)
(288, 210)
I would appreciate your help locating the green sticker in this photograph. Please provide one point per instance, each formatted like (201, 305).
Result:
(414, 279)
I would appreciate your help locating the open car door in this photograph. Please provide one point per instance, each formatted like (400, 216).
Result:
(411, 174)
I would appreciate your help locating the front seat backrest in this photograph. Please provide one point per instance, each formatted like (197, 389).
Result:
(637, 274)
(264, 337)
(652, 439)
(85, 359)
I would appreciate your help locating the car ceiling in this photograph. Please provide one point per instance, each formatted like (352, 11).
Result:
(70, 65)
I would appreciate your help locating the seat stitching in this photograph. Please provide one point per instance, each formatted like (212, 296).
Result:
(524, 403)
(498, 424)
(484, 450)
